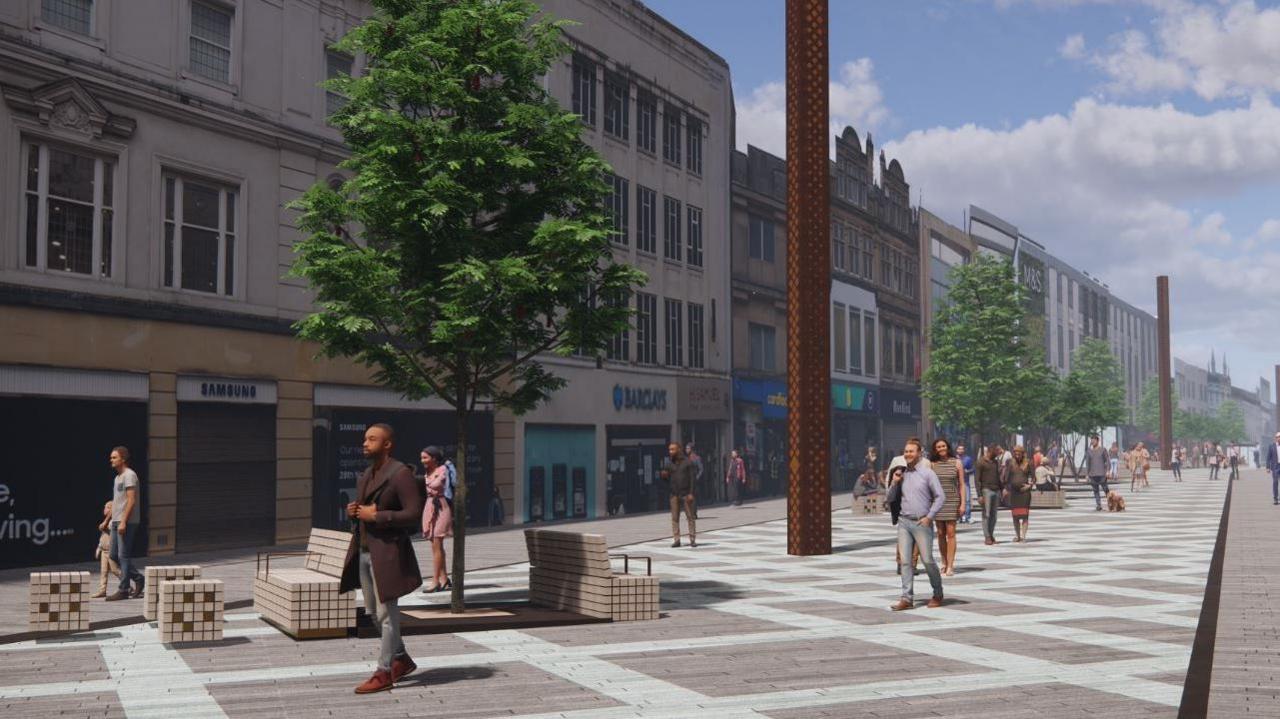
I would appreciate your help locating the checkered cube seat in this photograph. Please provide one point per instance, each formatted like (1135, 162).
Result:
(868, 504)
(58, 602)
(304, 602)
(574, 572)
(157, 575)
(190, 610)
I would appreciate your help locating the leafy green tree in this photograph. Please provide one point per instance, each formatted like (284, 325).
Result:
(985, 371)
(470, 237)
(1092, 395)
(1230, 425)
(1147, 418)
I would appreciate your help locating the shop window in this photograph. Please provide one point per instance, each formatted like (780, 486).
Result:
(68, 210)
(199, 235)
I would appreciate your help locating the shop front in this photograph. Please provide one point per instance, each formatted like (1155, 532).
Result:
(226, 469)
(702, 412)
(760, 433)
(560, 472)
(900, 414)
(61, 429)
(343, 413)
(855, 423)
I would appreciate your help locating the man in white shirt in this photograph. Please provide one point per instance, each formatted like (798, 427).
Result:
(126, 516)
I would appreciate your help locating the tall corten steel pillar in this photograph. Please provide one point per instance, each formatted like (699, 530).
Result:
(808, 281)
(1166, 366)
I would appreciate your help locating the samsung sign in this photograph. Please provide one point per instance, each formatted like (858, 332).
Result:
(226, 389)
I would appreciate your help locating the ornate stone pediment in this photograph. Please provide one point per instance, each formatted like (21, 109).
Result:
(66, 105)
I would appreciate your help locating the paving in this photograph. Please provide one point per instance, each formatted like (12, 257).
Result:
(1095, 616)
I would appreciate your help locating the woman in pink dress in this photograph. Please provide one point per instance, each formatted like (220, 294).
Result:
(437, 516)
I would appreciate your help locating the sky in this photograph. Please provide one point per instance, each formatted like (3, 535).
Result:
(1133, 138)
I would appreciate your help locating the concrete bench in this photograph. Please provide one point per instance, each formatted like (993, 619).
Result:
(1048, 499)
(191, 610)
(304, 602)
(574, 572)
(58, 602)
(154, 577)
(868, 504)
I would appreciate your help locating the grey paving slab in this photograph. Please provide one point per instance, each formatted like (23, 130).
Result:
(1137, 629)
(855, 614)
(94, 705)
(1060, 651)
(676, 624)
(52, 665)
(273, 650)
(1076, 595)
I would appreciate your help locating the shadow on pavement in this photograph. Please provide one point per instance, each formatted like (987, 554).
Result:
(700, 593)
(447, 675)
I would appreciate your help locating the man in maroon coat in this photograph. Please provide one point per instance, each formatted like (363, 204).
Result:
(380, 559)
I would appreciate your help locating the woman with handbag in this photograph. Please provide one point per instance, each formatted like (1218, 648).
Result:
(1143, 462)
(1021, 480)
(437, 517)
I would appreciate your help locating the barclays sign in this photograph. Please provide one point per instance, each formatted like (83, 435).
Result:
(639, 398)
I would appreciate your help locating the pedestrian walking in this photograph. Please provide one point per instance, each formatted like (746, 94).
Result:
(1273, 464)
(950, 472)
(1175, 463)
(735, 477)
(967, 462)
(1215, 457)
(380, 559)
(921, 497)
(125, 519)
(896, 469)
(107, 565)
(989, 480)
(679, 474)
(699, 468)
(1233, 459)
(1097, 466)
(1021, 480)
(1143, 464)
(437, 515)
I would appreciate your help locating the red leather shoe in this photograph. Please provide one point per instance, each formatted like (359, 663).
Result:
(379, 682)
(934, 603)
(900, 605)
(402, 667)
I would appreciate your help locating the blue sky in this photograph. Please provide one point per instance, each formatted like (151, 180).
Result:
(1133, 137)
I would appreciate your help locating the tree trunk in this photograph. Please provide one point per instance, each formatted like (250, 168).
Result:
(456, 602)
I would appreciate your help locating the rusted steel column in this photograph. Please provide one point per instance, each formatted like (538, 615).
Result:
(1166, 367)
(808, 281)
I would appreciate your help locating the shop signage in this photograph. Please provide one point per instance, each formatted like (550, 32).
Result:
(854, 398)
(770, 394)
(224, 389)
(900, 405)
(702, 399)
(639, 398)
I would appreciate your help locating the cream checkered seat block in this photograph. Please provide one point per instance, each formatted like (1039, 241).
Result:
(155, 576)
(868, 504)
(574, 572)
(304, 602)
(59, 602)
(191, 610)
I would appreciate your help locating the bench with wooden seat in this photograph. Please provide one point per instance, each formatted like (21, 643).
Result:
(304, 602)
(574, 572)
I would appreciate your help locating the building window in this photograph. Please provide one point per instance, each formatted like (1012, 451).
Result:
(837, 245)
(617, 106)
(697, 347)
(869, 340)
(619, 346)
(911, 275)
(646, 122)
(69, 210)
(671, 133)
(73, 15)
(760, 239)
(695, 236)
(210, 51)
(1062, 345)
(617, 207)
(646, 328)
(899, 356)
(762, 340)
(336, 65)
(886, 266)
(693, 132)
(911, 354)
(671, 228)
(584, 89)
(838, 341)
(675, 333)
(899, 285)
(1071, 295)
(868, 259)
(855, 341)
(851, 260)
(199, 235)
(646, 220)
(886, 347)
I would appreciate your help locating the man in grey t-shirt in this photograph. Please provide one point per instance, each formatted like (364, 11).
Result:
(1096, 462)
(126, 516)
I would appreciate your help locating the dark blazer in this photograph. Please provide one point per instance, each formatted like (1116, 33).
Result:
(988, 475)
(395, 566)
(1273, 460)
(681, 476)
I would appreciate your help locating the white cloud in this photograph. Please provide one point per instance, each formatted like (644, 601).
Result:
(854, 96)
(1224, 49)
(1073, 47)
(1106, 187)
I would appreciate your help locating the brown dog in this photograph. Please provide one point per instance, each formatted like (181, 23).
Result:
(1115, 503)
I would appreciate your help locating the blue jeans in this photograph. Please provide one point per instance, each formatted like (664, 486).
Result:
(386, 616)
(990, 510)
(968, 499)
(912, 534)
(1275, 485)
(121, 548)
(1099, 483)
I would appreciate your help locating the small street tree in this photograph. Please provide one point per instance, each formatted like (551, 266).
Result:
(1092, 394)
(1230, 423)
(1147, 417)
(984, 372)
(470, 237)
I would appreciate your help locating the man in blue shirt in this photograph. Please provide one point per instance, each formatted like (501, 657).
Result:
(967, 461)
(922, 498)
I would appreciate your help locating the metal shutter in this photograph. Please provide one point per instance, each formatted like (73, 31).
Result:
(226, 476)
